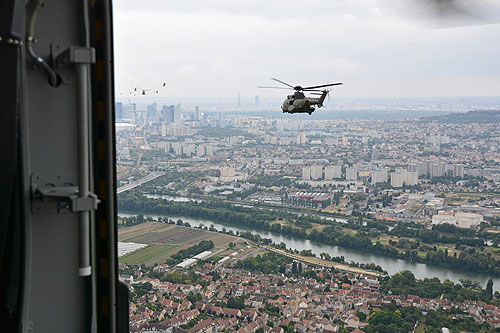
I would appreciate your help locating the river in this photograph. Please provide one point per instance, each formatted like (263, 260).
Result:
(391, 265)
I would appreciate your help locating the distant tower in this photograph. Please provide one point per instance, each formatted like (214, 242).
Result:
(351, 173)
(197, 113)
(239, 101)
(220, 119)
(151, 113)
(256, 100)
(168, 114)
(177, 113)
(301, 139)
(118, 110)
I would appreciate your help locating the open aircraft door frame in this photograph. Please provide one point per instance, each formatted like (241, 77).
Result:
(58, 236)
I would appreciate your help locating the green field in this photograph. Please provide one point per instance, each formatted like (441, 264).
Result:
(128, 233)
(164, 240)
(149, 255)
(169, 235)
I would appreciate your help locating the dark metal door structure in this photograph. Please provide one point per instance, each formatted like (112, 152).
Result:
(58, 269)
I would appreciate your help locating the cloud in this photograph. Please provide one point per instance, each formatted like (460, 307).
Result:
(214, 48)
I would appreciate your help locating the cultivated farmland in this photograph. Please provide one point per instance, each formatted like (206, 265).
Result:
(165, 240)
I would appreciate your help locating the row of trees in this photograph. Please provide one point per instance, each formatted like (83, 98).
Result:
(404, 283)
(268, 263)
(394, 319)
(204, 245)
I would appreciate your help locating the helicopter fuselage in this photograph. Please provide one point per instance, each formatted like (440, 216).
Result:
(299, 103)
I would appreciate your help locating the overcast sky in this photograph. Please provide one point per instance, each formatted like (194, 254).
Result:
(215, 48)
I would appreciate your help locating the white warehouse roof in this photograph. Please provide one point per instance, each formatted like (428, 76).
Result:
(186, 263)
(203, 255)
(224, 259)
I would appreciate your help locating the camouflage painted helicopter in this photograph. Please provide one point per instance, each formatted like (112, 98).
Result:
(298, 102)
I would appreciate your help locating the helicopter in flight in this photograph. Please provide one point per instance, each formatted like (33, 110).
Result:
(143, 91)
(298, 102)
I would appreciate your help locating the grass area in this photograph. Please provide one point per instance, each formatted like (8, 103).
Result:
(318, 226)
(422, 254)
(421, 328)
(415, 207)
(472, 195)
(168, 235)
(451, 250)
(127, 233)
(122, 171)
(457, 199)
(335, 208)
(349, 231)
(156, 253)
(280, 221)
(495, 253)
(154, 232)
(384, 239)
(331, 209)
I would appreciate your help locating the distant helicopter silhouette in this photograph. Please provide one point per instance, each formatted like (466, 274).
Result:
(298, 102)
(143, 91)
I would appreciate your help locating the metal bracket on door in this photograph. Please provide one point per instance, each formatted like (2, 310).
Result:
(57, 194)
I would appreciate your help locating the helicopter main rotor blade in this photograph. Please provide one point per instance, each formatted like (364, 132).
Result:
(324, 85)
(274, 87)
(286, 84)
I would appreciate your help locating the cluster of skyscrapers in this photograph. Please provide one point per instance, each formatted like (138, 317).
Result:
(404, 177)
(381, 175)
(315, 172)
(169, 114)
(437, 169)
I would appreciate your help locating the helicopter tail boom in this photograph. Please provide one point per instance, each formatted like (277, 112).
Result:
(322, 97)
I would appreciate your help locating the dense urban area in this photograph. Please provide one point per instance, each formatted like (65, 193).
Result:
(213, 204)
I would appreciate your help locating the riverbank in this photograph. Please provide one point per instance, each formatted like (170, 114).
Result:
(391, 265)
(413, 243)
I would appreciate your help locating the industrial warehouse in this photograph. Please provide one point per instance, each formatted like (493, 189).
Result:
(308, 199)
(191, 261)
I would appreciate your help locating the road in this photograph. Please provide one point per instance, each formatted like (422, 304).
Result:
(148, 178)
(251, 253)
(134, 169)
(315, 260)
(321, 262)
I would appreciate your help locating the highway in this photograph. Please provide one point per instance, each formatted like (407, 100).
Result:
(148, 178)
